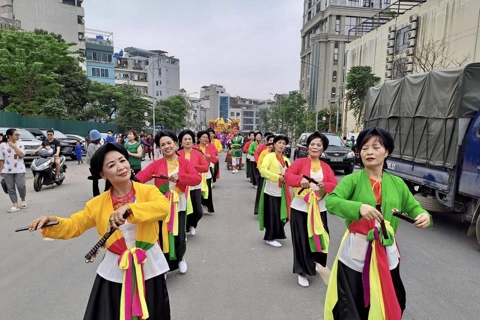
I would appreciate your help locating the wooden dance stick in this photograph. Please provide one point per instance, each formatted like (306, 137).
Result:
(46, 225)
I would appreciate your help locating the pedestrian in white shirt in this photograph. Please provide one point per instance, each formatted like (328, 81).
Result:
(12, 168)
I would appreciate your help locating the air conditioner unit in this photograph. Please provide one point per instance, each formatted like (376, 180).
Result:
(391, 36)
(412, 34)
(389, 59)
(391, 44)
(388, 74)
(409, 67)
(389, 66)
(411, 43)
(390, 51)
(413, 26)
(392, 28)
(410, 51)
(413, 17)
(409, 60)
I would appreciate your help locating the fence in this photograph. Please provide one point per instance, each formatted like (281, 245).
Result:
(15, 120)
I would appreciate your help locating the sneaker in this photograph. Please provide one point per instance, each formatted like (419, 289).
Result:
(182, 266)
(192, 231)
(24, 205)
(316, 267)
(13, 209)
(273, 243)
(205, 209)
(303, 281)
(233, 172)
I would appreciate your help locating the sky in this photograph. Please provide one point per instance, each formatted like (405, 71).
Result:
(251, 47)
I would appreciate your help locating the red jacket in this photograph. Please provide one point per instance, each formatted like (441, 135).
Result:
(197, 159)
(302, 166)
(260, 148)
(211, 151)
(246, 146)
(187, 174)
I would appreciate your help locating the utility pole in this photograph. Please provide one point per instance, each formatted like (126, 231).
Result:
(345, 110)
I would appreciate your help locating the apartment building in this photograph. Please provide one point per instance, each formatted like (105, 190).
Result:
(325, 33)
(65, 17)
(247, 111)
(99, 56)
(164, 75)
(131, 68)
(7, 18)
(216, 101)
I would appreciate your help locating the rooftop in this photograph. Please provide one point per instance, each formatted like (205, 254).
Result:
(144, 53)
(99, 37)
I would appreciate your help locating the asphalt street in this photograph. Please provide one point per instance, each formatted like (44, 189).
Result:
(232, 273)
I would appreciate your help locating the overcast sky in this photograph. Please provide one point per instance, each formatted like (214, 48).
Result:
(251, 47)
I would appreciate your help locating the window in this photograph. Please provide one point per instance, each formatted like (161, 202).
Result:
(335, 54)
(367, 3)
(385, 3)
(334, 92)
(157, 83)
(157, 93)
(337, 25)
(238, 114)
(350, 22)
(401, 40)
(160, 72)
(317, 9)
(248, 121)
(95, 72)
(104, 73)
(100, 72)
(160, 93)
(334, 76)
(248, 114)
(232, 114)
(353, 3)
(399, 68)
(89, 55)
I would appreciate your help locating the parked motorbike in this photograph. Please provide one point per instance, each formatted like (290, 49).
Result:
(43, 169)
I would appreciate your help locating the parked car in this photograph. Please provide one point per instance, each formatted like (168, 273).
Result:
(29, 142)
(337, 156)
(67, 146)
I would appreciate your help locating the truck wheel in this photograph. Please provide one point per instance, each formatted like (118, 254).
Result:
(38, 182)
(429, 203)
(349, 170)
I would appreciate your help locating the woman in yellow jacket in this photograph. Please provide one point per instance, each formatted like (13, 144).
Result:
(274, 204)
(130, 278)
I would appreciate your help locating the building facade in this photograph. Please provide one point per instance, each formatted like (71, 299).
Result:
(7, 18)
(163, 75)
(99, 56)
(65, 17)
(325, 33)
(210, 99)
(247, 111)
(131, 68)
(445, 29)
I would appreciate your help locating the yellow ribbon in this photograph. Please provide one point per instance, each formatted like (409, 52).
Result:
(204, 186)
(315, 227)
(174, 198)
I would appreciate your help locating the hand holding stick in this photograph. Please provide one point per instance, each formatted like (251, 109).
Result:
(382, 223)
(46, 225)
(309, 180)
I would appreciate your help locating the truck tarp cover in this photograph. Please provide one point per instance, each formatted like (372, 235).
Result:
(422, 112)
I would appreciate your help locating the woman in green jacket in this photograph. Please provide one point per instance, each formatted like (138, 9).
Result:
(253, 165)
(135, 151)
(366, 271)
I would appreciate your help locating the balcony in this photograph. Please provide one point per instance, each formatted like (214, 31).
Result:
(354, 3)
(6, 23)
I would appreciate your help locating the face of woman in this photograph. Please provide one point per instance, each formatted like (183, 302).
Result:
(187, 141)
(280, 145)
(116, 168)
(373, 153)
(131, 136)
(315, 148)
(168, 146)
(251, 136)
(258, 137)
(204, 140)
(270, 147)
(14, 137)
(212, 135)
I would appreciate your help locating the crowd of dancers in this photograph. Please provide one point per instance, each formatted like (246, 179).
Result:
(153, 220)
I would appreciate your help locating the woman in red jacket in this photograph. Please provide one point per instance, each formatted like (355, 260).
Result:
(186, 138)
(173, 176)
(308, 215)
(210, 153)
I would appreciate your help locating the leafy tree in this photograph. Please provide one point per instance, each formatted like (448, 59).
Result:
(105, 98)
(264, 115)
(29, 65)
(170, 113)
(53, 109)
(131, 108)
(359, 79)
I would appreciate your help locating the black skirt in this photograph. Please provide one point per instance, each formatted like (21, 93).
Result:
(104, 302)
(303, 259)
(180, 243)
(271, 218)
(197, 214)
(247, 168)
(258, 194)
(254, 174)
(209, 201)
(350, 304)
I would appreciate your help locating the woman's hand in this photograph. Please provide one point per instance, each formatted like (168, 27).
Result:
(305, 184)
(174, 177)
(40, 222)
(281, 179)
(116, 218)
(422, 221)
(370, 213)
(320, 185)
(207, 156)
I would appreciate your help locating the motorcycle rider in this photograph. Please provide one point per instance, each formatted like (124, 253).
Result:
(55, 145)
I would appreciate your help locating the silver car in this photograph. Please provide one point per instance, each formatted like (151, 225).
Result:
(29, 142)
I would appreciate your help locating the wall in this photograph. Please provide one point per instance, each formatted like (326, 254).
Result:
(15, 120)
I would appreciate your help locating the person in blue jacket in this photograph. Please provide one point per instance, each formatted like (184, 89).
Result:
(79, 149)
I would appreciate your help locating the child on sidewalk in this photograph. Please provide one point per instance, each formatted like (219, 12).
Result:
(78, 152)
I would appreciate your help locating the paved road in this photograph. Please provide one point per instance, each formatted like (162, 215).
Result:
(232, 273)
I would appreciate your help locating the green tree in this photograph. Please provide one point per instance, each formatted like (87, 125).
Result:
(104, 98)
(264, 115)
(53, 109)
(359, 79)
(286, 115)
(29, 65)
(131, 108)
(171, 113)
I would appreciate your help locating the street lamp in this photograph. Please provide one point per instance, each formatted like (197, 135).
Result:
(316, 107)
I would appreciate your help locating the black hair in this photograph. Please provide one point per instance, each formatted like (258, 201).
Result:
(251, 132)
(165, 133)
(322, 137)
(110, 131)
(96, 162)
(183, 134)
(50, 131)
(365, 139)
(8, 133)
(268, 133)
(201, 133)
(281, 137)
